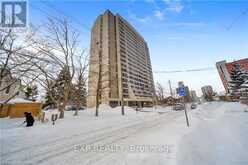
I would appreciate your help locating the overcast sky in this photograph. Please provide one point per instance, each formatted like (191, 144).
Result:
(181, 35)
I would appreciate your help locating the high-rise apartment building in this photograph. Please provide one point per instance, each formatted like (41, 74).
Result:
(121, 55)
(224, 68)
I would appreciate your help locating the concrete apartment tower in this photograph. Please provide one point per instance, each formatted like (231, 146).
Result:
(121, 54)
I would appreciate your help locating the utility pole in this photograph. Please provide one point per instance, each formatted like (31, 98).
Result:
(185, 111)
(171, 93)
(122, 105)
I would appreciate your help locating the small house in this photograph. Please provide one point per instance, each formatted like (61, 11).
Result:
(15, 108)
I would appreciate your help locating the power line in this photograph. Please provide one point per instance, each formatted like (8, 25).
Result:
(44, 12)
(237, 18)
(187, 70)
(57, 18)
(54, 17)
(65, 14)
(88, 29)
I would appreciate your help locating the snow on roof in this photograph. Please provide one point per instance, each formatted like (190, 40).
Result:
(19, 100)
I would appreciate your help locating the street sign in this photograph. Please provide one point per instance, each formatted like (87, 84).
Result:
(181, 91)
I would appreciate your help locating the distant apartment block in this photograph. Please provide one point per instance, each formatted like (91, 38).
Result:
(207, 91)
(225, 69)
(122, 55)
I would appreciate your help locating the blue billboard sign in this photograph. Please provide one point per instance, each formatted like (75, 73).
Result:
(181, 91)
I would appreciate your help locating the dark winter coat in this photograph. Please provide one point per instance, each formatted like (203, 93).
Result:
(29, 119)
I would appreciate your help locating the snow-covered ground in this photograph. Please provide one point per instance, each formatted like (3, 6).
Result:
(220, 138)
(217, 135)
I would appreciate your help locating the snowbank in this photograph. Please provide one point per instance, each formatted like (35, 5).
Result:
(49, 113)
(219, 138)
(19, 100)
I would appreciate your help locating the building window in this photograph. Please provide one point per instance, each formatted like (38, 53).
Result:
(125, 90)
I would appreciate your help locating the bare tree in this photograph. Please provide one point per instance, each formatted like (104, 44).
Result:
(16, 60)
(98, 74)
(47, 78)
(79, 93)
(160, 92)
(59, 44)
(99, 79)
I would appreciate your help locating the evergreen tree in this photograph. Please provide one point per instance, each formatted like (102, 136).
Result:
(48, 100)
(58, 93)
(79, 92)
(237, 79)
(50, 95)
(62, 89)
(28, 92)
(244, 89)
(62, 82)
(31, 92)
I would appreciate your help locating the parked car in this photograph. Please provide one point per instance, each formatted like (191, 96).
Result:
(193, 106)
(73, 108)
(178, 107)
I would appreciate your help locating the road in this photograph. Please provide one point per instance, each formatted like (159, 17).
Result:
(44, 144)
(209, 139)
(221, 138)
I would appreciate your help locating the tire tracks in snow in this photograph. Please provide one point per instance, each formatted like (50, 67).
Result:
(104, 135)
(57, 140)
(110, 138)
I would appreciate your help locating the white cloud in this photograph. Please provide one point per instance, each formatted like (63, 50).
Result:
(158, 14)
(143, 19)
(175, 7)
(134, 17)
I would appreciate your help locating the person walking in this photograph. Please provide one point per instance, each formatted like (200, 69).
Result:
(29, 119)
